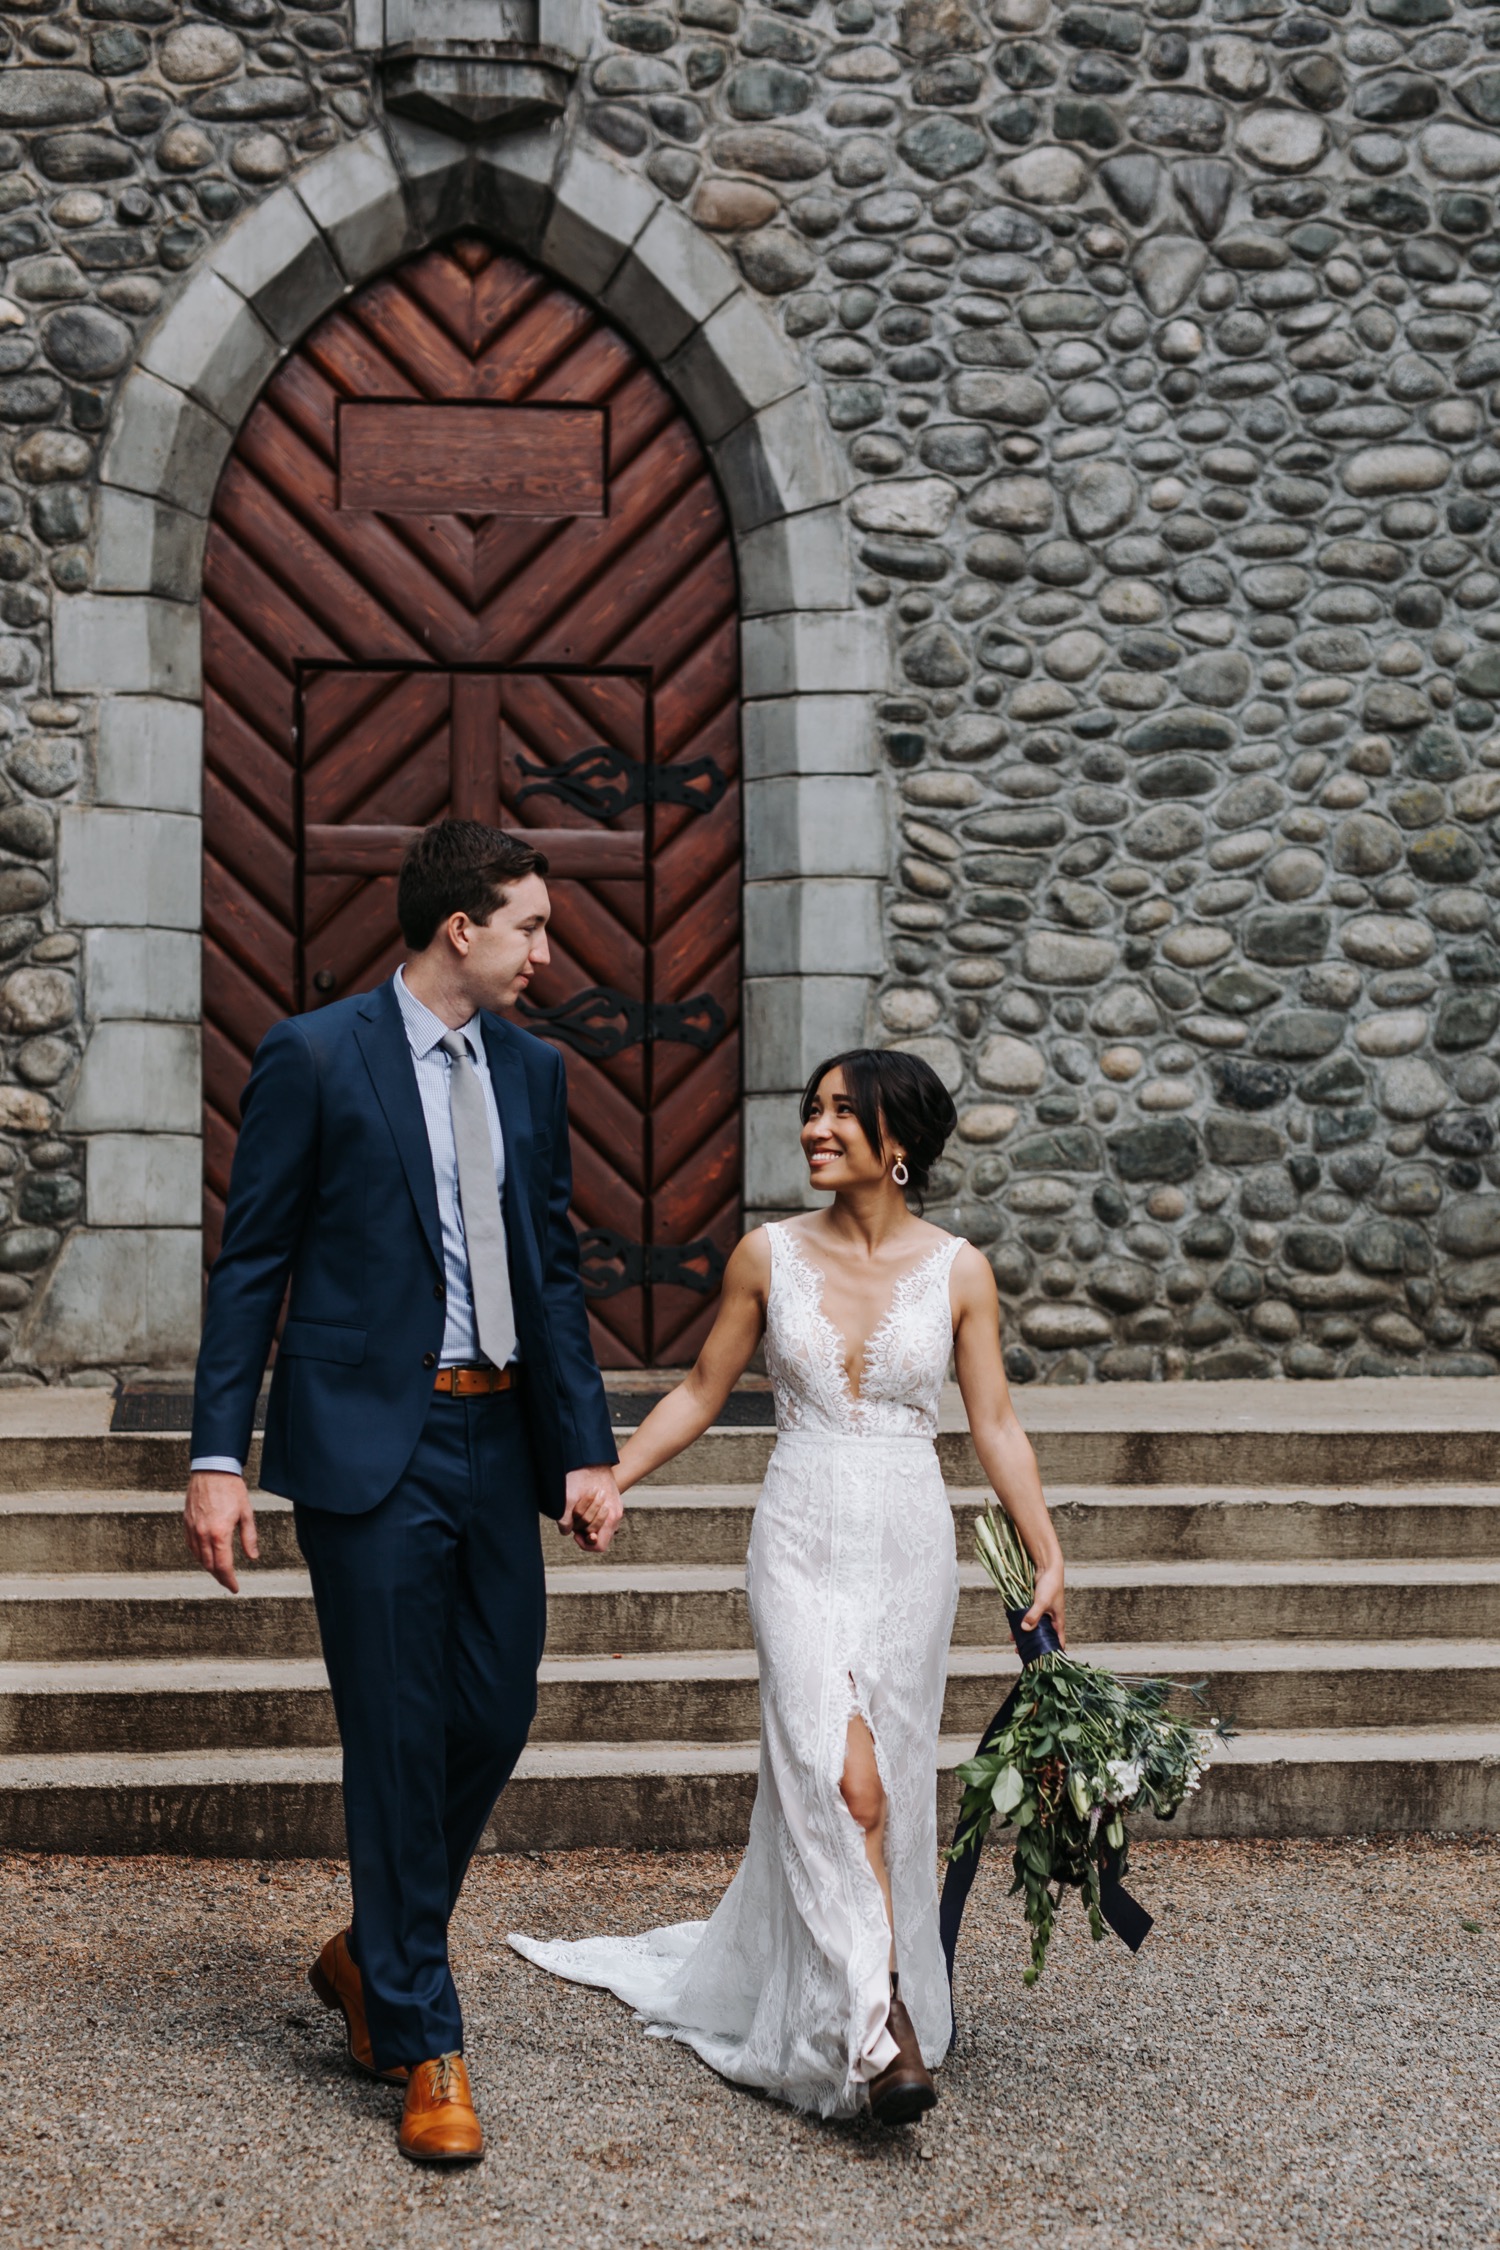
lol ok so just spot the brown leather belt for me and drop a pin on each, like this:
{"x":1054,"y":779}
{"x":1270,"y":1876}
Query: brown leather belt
{"x":474,"y":1382}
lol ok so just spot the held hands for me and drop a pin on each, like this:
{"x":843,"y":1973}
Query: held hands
{"x":593,"y":1508}
{"x":1049,"y":1599}
{"x":217,"y":1506}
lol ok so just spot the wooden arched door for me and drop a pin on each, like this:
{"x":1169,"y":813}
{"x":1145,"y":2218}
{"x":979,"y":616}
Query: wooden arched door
{"x":467,"y":557}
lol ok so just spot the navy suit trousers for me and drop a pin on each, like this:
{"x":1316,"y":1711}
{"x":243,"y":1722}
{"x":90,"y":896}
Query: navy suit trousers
{"x":432,"y":1609}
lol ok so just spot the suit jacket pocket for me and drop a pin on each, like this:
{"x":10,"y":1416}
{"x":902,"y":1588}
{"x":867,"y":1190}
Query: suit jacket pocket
{"x":322,"y":1339}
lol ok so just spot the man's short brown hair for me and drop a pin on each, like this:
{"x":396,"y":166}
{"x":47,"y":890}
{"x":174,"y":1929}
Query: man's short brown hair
{"x":458,"y":867}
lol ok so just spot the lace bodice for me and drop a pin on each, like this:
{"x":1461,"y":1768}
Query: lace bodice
{"x":905,"y":1359}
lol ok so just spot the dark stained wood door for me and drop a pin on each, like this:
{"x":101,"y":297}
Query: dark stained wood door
{"x":371,"y":668}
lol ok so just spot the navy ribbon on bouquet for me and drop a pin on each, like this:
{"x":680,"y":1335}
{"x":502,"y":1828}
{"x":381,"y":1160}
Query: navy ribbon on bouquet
{"x":1124,"y":1914}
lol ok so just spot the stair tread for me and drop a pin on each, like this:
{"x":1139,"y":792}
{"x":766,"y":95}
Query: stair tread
{"x":593,"y":1760}
{"x":1172,"y":1660}
{"x":689,"y":1498}
{"x":1418,"y":1402}
{"x":87,"y":1500}
{"x":150,"y":1585}
{"x":709,"y":1578}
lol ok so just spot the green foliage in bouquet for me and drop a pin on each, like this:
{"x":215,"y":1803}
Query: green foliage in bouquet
{"x":1076,"y":1750}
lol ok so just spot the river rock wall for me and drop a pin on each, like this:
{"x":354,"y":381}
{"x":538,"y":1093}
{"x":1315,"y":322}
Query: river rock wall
{"x":1161,"y":343}
{"x":132,"y":133}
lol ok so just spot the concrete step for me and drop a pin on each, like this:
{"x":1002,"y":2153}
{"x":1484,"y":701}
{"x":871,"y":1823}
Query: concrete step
{"x":275,"y":1803}
{"x":710,"y":1695}
{"x":53,"y":1532}
{"x":646,"y":1610}
{"x":1429,"y":1430}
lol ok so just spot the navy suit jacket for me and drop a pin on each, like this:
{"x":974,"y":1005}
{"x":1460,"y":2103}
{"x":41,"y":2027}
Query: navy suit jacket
{"x":333,"y":1188}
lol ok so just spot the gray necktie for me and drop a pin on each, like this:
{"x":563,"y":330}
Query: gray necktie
{"x":479,"y":1200}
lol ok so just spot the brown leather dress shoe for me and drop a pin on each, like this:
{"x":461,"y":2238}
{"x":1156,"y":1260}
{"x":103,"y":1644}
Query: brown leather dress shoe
{"x":904,"y":2089}
{"x":438,"y":2125}
{"x":336,"y":1980}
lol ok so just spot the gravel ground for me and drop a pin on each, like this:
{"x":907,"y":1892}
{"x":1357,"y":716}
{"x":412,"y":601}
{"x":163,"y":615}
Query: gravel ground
{"x":1306,"y":2052}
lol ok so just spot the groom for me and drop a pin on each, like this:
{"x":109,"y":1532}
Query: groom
{"x":403,"y":1163}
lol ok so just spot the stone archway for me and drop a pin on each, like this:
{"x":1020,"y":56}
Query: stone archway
{"x":466,"y":557}
{"x":126,"y":1286}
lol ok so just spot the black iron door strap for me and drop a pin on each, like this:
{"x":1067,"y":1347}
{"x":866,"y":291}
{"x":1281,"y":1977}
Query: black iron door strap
{"x":609,"y":1264}
{"x":599,"y":1022}
{"x":604,"y":782}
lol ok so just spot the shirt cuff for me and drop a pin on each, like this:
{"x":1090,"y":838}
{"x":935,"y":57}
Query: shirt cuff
{"x":220,"y":1462}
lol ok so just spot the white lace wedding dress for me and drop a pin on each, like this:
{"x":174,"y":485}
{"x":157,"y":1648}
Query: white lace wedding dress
{"x":852,"y":1582}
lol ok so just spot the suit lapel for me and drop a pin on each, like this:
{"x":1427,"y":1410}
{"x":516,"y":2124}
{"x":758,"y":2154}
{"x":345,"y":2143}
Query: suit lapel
{"x":513,"y":1100}
{"x":387,"y":1051}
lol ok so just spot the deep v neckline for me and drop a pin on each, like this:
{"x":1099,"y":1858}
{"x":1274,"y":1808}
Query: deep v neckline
{"x":835,"y":1335}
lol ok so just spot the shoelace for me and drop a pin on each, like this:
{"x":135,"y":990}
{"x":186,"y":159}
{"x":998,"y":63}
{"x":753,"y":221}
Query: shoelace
{"x":445,"y":2087}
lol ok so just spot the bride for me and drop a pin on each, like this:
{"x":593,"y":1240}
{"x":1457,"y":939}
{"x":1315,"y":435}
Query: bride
{"x":820,"y":1977}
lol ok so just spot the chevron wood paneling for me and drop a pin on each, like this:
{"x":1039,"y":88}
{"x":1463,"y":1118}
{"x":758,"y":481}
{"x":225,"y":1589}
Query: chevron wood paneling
{"x":376,"y":669}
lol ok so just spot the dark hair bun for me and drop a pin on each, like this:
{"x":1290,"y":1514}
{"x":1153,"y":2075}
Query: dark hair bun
{"x":898,"y":1098}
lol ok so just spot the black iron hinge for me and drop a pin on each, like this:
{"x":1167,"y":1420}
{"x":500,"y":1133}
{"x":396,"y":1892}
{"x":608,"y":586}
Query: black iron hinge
{"x":599,"y":1022}
{"x":604,"y":782}
{"x":609,"y":1264}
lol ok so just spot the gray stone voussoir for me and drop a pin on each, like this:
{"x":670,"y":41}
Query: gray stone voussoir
{"x":149,"y":753}
{"x":796,"y":562}
{"x":125,"y":644}
{"x":145,"y":1180}
{"x":808,"y":734}
{"x":833,"y":652}
{"x":357,"y":199}
{"x":820,"y":927}
{"x":165,"y":445}
{"x":119,"y":1297}
{"x":279,"y":262}
{"x":598,"y":210}
{"x":434,"y":172}
{"x":148,"y":975}
{"x":144,"y":547}
{"x":210,"y":344}
{"x":775,"y":1177}
{"x":816,"y":824}
{"x":730,"y":367}
{"x":139,"y":1078}
{"x":512,"y":184}
{"x":136,"y":868}
{"x":779,"y":462}
{"x":672,"y":280}
{"x":792,"y":1022}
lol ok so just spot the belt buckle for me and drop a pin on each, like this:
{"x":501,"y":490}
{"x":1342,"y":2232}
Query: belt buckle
{"x":472,"y":1382}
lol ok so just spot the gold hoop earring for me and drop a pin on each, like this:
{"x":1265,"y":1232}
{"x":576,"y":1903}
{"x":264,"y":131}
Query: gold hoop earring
{"x":899,"y":1173}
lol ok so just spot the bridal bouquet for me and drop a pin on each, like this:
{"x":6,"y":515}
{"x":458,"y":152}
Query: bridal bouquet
{"x":1069,"y":1754}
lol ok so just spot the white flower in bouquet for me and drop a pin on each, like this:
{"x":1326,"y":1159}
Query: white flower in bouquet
{"x":1125,"y":1776}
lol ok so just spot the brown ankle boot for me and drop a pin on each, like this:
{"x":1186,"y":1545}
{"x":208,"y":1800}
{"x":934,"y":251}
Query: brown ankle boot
{"x":904,"y":2089}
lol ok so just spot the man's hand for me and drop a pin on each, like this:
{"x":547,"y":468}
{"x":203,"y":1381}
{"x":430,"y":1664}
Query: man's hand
{"x":217,"y":1506}
{"x":593,"y":1508}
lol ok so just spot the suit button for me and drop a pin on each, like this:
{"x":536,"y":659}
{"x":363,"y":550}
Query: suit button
{"x":429,"y":1359}
{"x":440,"y":1291}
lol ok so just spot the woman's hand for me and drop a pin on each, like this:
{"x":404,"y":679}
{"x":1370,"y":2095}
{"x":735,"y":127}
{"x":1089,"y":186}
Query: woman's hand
{"x":1049,"y":1600}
